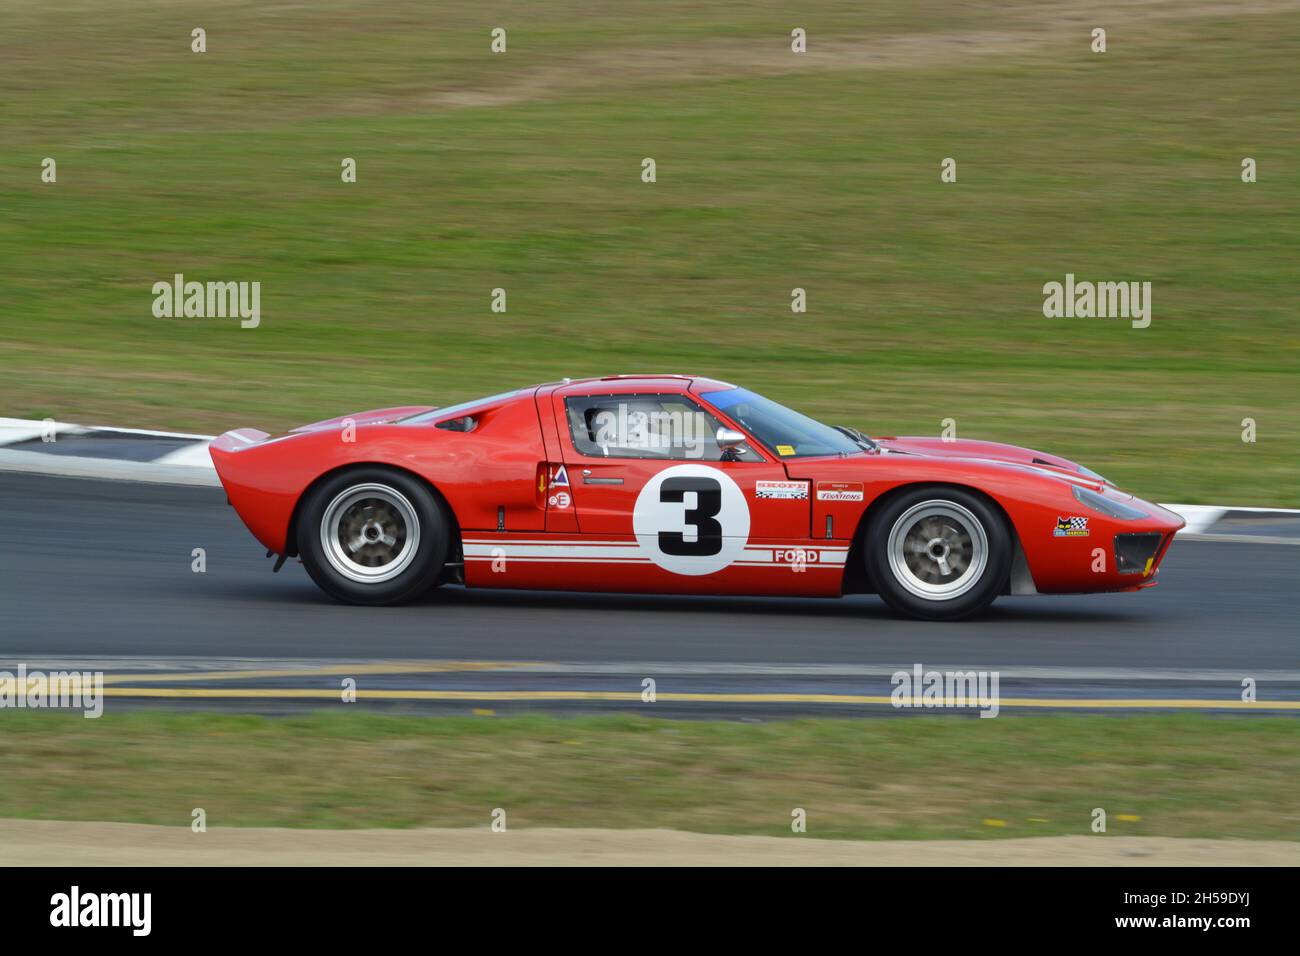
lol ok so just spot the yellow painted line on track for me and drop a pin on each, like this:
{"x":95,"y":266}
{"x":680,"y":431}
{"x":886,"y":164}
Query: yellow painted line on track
{"x":393,"y":667}
{"x":707,"y":698}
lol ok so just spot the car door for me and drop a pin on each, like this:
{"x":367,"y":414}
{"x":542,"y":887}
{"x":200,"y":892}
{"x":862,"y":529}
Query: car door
{"x":673,"y":511}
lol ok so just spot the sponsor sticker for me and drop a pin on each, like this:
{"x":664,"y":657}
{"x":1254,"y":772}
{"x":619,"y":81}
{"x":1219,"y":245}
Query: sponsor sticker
{"x":781,"y":489}
{"x":785,"y":450}
{"x":1071,"y":527}
{"x":839,"y":491}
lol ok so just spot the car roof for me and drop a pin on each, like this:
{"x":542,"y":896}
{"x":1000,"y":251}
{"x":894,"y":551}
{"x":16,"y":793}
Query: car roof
{"x":670,"y":382}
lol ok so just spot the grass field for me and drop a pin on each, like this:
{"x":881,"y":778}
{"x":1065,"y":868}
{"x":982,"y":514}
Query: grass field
{"x":775,"y":171}
{"x":918,"y":778}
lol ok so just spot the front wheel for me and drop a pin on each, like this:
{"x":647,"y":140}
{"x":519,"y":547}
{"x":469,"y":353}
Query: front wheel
{"x":373,"y":536}
{"x":938,"y":553}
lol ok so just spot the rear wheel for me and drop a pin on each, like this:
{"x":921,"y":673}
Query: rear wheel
{"x":938,"y":553}
{"x":373,"y":536}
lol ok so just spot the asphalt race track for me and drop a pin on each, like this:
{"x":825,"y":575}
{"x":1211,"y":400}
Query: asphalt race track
{"x":102,"y":569}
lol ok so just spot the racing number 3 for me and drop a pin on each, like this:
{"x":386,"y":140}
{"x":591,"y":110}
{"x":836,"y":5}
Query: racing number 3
{"x":703,"y":517}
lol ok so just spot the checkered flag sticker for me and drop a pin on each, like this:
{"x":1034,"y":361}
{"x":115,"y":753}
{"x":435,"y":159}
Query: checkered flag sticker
{"x":1071,"y":527}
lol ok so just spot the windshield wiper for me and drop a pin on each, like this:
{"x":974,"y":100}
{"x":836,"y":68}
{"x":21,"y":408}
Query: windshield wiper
{"x":860,"y":439}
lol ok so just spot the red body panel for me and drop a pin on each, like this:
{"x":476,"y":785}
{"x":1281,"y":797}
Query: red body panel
{"x":494,"y":467}
{"x":535,"y":512}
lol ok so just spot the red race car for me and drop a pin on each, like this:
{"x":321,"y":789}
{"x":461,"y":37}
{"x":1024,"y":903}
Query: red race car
{"x":676,"y":484}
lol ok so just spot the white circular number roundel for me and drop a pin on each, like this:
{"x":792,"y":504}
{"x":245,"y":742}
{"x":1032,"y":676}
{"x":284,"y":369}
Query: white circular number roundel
{"x":691,"y":519}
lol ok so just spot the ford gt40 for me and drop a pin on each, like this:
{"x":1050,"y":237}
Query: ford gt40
{"x":674,"y":484}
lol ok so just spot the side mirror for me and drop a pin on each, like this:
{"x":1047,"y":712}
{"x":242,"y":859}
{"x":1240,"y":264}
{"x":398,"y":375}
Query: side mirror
{"x":729,"y":440}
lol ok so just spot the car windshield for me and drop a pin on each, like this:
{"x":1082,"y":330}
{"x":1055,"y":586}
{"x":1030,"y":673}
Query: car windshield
{"x":785,"y":431}
{"x":452,"y":410}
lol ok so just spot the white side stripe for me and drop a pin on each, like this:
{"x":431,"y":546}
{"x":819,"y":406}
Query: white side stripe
{"x":616,"y":552}
{"x":546,"y":542}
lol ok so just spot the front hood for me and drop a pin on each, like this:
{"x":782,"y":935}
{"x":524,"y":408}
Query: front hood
{"x":989,"y":451}
{"x":376,"y":416}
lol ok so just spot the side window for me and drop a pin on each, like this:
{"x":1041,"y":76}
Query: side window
{"x":671,"y":427}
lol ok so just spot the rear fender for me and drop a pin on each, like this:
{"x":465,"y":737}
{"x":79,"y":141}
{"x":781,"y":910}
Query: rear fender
{"x":455,"y":554}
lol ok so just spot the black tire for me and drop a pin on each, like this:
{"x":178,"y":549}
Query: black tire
{"x":371,"y":507}
{"x":949,"y":526}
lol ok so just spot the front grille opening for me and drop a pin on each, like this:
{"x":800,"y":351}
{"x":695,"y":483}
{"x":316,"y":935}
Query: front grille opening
{"x":1133,"y":551}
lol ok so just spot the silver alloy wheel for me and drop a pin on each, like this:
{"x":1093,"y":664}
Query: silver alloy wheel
{"x":938,"y":550}
{"x":370,"y":533}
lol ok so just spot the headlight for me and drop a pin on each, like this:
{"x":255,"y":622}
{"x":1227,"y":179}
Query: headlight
{"x":1112,"y":509}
